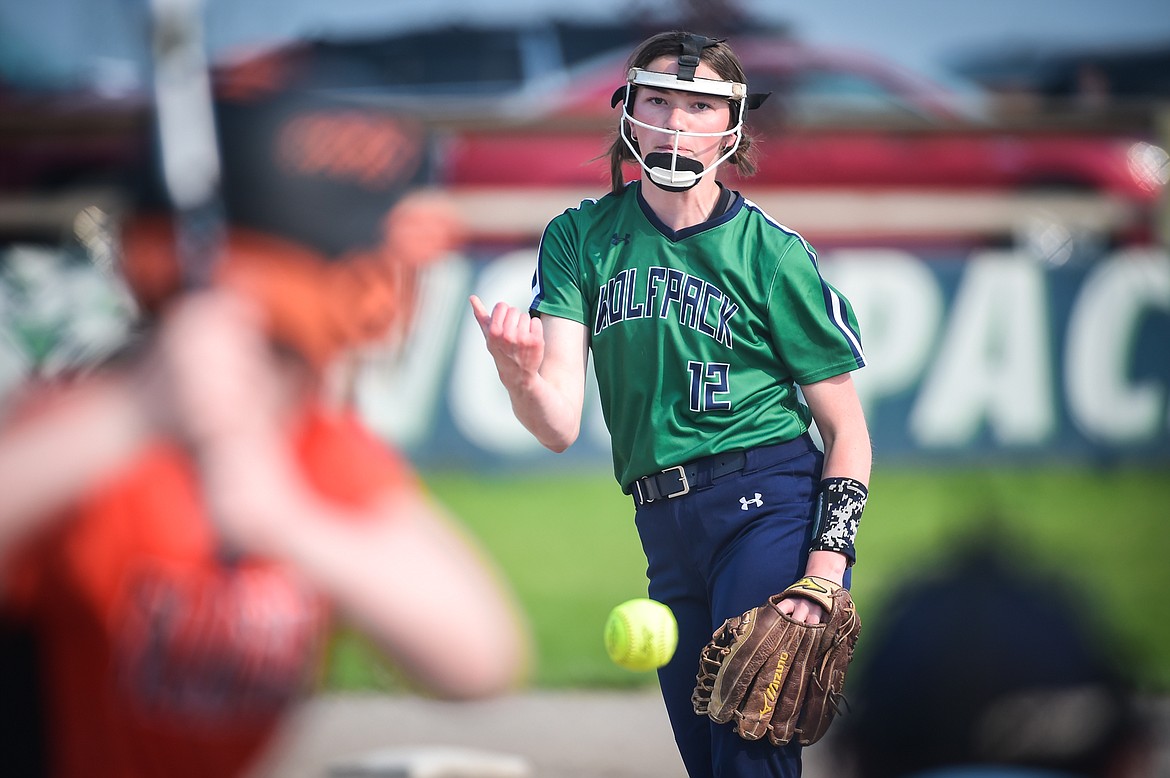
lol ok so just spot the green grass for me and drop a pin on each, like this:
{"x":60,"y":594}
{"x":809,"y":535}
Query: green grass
{"x":567,"y":545}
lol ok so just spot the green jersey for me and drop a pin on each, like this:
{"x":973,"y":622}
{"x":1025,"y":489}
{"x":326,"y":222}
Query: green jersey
{"x":699,"y":337}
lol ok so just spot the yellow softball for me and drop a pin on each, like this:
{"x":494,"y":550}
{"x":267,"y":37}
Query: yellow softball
{"x":641,"y":634}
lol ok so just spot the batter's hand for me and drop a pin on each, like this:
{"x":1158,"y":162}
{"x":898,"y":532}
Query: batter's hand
{"x":514,"y":339}
{"x":210,"y":374}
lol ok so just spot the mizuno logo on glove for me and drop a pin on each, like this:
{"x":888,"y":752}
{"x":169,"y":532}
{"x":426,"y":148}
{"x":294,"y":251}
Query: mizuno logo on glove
{"x":773,"y":690}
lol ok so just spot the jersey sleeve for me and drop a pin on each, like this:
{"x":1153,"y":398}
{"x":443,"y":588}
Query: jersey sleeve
{"x":813,"y":325}
{"x":556,"y":284}
{"x":346,"y":463}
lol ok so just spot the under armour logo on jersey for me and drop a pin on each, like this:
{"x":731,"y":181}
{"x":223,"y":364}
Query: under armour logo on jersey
{"x":756,"y":501}
{"x":616,"y":239}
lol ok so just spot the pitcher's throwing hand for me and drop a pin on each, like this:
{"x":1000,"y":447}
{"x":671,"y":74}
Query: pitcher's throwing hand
{"x":513,"y":337}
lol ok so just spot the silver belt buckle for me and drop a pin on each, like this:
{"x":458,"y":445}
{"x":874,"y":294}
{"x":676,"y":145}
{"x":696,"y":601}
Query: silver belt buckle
{"x":682,"y":477}
{"x":641,"y":498}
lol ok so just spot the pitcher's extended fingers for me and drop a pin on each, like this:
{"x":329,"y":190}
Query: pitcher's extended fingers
{"x":482,"y":315}
{"x":530,"y":340}
{"x":491,"y":322}
{"x":536,"y":329}
{"x":516,"y":325}
{"x":504,"y":321}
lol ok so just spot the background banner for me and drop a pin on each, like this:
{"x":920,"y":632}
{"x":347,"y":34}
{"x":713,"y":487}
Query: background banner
{"x":985,"y":357}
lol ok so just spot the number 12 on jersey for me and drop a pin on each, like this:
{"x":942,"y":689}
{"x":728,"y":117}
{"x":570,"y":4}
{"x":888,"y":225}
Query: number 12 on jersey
{"x":709,"y":381}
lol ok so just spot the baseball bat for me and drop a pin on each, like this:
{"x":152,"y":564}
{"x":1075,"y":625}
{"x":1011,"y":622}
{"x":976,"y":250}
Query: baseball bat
{"x":186,"y":135}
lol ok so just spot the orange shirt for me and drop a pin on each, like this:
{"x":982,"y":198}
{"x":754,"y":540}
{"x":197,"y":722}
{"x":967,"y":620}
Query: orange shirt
{"x":159,"y":653}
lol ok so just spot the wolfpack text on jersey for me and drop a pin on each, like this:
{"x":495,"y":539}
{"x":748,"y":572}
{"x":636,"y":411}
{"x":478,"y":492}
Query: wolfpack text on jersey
{"x":686,"y":326}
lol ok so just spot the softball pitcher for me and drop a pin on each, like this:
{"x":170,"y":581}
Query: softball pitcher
{"x":716,"y":345}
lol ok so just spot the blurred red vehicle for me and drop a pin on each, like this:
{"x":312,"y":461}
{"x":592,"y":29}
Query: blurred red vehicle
{"x":853,"y":147}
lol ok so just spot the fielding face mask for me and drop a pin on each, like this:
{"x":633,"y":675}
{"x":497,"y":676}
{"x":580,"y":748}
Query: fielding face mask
{"x":670,"y":170}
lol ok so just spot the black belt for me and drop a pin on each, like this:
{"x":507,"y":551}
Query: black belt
{"x":680,"y":479}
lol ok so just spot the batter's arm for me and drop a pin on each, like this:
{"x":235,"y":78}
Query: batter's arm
{"x":542,"y":364}
{"x":396,"y":565}
{"x":80,"y":437}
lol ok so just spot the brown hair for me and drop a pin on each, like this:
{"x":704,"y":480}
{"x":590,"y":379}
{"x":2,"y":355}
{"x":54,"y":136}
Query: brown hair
{"x":726,"y":65}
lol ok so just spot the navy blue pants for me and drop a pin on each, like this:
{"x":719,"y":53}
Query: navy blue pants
{"x":712,"y":554}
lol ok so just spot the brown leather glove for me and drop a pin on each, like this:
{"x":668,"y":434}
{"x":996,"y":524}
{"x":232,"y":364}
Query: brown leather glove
{"x":775,"y":676}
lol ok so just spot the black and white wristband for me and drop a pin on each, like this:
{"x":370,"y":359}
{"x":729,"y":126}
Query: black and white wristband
{"x":839,"y":507}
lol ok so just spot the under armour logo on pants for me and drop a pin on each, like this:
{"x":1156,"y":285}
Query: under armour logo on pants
{"x":756,"y":501}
